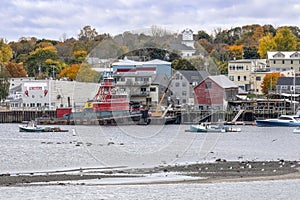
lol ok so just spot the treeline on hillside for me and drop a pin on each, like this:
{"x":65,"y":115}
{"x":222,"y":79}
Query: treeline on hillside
{"x":43,"y":58}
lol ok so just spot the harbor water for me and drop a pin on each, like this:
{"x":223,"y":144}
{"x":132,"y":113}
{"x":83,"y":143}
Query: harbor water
{"x":145,"y":146}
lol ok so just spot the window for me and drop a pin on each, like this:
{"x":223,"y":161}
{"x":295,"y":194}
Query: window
{"x":152,"y":89}
{"x":208,"y":85}
{"x":292,"y":62}
{"x":258,"y":78}
{"x":245,"y":78}
{"x":282,"y":61}
{"x":239,"y":78}
{"x":177,"y":84}
{"x":274,"y":61}
{"x":231,"y":78}
{"x":183,"y":93}
{"x":183,"y":84}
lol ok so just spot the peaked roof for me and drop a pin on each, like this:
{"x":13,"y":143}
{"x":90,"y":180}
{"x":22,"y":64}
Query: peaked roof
{"x":288,"y":81}
{"x":286,"y":54}
{"x":223,"y":81}
{"x":160,"y":79}
{"x":194,"y":76}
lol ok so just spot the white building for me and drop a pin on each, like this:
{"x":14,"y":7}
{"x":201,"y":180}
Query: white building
{"x":51,"y":94}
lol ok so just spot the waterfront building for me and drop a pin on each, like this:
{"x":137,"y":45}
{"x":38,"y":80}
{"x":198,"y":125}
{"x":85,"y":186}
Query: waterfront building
{"x":183,"y":84}
{"x":142,"y":84}
{"x":284,"y":61}
{"x":248,"y":74}
{"x":214,"y":93}
{"x":51,"y":94}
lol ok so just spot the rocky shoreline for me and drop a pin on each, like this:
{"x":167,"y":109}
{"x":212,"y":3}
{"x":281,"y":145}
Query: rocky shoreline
{"x":220,"y":170}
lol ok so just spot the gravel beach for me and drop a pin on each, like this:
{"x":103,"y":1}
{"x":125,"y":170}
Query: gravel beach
{"x":218,"y":171}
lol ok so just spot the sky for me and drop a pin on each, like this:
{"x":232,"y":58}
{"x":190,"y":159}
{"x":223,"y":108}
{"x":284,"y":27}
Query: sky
{"x":58,"y":19}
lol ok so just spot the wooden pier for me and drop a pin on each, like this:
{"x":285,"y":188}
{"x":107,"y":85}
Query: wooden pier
{"x":18,"y":116}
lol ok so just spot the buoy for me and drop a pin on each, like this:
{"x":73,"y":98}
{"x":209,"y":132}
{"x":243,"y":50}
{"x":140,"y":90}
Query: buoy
{"x":73,"y":132}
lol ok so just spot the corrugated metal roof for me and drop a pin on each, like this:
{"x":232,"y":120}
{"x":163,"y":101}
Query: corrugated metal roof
{"x":223,"y":81}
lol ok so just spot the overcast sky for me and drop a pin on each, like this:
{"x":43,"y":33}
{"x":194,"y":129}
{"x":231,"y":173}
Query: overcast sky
{"x":51,"y":19}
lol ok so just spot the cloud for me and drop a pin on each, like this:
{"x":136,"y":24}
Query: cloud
{"x":52,"y":18}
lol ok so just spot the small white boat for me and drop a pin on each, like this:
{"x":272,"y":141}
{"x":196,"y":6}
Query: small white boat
{"x":297,"y":130}
{"x":207,"y":128}
{"x":32,"y":127}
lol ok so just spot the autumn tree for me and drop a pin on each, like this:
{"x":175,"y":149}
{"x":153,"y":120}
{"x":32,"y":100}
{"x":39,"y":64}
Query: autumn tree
{"x":70,"y":72}
{"x":87,"y":33}
{"x":266,"y":44}
{"x":5,"y":52}
{"x":15,"y":69}
{"x":22,"y":48}
{"x":79,"y":56}
{"x":285,"y":40}
{"x":87,"y":74}
{"x":270,"y":81}
{"x":235,"y":51}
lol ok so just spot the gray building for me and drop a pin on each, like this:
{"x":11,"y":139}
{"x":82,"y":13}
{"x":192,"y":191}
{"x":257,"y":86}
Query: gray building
{"x":183,"y":84}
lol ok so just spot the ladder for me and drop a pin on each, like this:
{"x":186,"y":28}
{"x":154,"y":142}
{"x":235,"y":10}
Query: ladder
{"x":237,"y":115}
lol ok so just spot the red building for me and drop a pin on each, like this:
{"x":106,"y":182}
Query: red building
{"x":214,"y":92}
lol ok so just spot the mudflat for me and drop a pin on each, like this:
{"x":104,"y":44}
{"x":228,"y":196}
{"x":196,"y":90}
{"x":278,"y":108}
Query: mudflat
{"x":218,"y":171}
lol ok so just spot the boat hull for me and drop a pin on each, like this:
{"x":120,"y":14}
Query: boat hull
{"x":274,"y":123}
{"x":40,"y":129}
{"x":203,"y":129}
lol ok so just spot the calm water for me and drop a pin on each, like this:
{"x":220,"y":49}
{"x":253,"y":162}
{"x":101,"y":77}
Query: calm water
{"x":142,"y":146}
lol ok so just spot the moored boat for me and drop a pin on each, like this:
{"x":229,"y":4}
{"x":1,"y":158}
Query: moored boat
{"x":112,"y":106}
{"x":207,"y":128}
{"x":283,"y":120}
{"x":297,"y":130}
{"x":32,"y":127}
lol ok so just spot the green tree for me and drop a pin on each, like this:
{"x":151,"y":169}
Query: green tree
{"x":203,"y":35}
{"x":4,"y":83}
{"x":182,"y":64}
{"x":36,"y":63}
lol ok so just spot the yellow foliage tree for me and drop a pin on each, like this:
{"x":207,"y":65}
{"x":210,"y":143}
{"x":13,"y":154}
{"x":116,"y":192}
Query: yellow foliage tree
{"x":285,"y":40}
{"x":87,"y":74}
{"x":80,"y":55}
{"x":266,"y":43}
{"x":5,"y":52}
{"x":70,"y":72}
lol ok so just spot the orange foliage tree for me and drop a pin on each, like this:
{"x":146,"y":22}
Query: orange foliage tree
{"x":70,"y":72}
{"x":270,"y":81}
{"x":15,"y":70}
{"x":236,"y":51}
